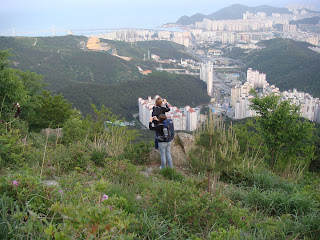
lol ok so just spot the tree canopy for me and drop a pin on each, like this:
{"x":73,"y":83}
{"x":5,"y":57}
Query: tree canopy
{"x":284,"y":132}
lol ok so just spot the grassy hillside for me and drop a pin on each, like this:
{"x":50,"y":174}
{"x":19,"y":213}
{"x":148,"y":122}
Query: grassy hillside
{"x":287,"y":63}
{"x":122,"y":98}
{"x":86,"y":77}
{"x":232,"y":12}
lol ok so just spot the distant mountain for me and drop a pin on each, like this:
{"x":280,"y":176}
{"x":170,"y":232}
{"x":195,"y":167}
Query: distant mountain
{"x":288,"y":64}
{"x":309,"y":21}
{"x":233,"y":12}
{"x":86,"y":77}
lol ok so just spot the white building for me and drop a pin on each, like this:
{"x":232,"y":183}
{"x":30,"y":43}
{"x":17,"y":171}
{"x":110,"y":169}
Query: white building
{"x":186,"y":118}
{"x":206,"y":75}
{"x":240,"y":97}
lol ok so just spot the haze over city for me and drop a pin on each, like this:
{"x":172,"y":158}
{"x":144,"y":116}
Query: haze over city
{"x":36,"y":15}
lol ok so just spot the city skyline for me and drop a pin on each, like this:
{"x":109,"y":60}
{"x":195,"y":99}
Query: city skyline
{"x":38,"y":15}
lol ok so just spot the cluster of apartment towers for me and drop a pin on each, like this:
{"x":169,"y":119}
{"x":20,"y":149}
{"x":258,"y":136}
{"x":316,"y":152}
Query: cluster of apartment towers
{"x":186,"y":118}
{"x":240,"y":97}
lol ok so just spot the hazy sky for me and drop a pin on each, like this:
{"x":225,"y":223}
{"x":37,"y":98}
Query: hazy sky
{"x":29,"y":15}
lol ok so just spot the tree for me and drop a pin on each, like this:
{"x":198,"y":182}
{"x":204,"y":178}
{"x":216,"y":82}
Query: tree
{"x":282,"y":129}
{"x":16,"y":86}
{"x":217,"y":149}
{"x":49,"y":111}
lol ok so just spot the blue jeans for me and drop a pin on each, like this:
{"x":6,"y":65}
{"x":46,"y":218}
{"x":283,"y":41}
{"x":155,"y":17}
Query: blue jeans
{"x":165,"y":154}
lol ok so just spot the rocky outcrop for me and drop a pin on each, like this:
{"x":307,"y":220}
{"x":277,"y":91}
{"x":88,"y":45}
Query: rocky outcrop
{"x":180,"y":148}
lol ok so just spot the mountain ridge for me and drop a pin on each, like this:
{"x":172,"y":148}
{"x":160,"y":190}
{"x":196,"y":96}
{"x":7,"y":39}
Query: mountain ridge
{"x":232,"y":12}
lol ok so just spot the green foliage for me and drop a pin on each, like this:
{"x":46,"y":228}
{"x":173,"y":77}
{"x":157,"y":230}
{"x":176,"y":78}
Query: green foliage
{"x":120,"y":171}
{"x":171,"y":174}
{"x":74,"y":129}
{"x":28,"y":190}
{"x":13,"y":143}
{"x":278,"y":202}
{"x":136,"y":50}
{"x":121,"y":98}
{"x":194,"y":209}
{"x":66,"y":159}
{"x":106,"y":133}
{"x":96,"y":221}
{"x":138,"y":153}
{"x":18,"y":222}
{"x":217,"y":149}
{"x":16,"y":86}
{"x":85,"y":77}
{"x":50,"y":111}
{"x":288,"y":64}
{"x":98,"y":157}
{"x":283,"y":132}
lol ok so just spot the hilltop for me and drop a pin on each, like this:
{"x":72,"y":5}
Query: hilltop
{"x":288,"y":64}
{"x":232,"y":12}
{"x":309,"y":21}
{"x":86,"y":77}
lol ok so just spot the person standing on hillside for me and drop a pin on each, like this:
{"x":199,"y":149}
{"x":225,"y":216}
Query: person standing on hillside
{"x":161,"y":107}
{"x":16,"y":106}
{"x":164,"y":145}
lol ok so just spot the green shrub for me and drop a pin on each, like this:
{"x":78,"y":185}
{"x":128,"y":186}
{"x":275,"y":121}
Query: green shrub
{"x":98,"y":157}
{"x":120,"y":171}
{"x":98,"y":221}
{"x":74,"y":130}
{"x":65,"y":159}
{"x":28,"y":190}
{"x":138,"y":153}
{"x":171,"y":174}
{"x":13,"y":144}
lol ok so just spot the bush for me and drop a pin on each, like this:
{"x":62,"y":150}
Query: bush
{"x":138,"y":153}
{"x":74,"y":130}
{"x":13,"y":143}
{"x":98,"y":157}
{"x":29,"y":191}
{"x":65,"y":159}
{"x":120,"y":171}
{"x":171,"y":174}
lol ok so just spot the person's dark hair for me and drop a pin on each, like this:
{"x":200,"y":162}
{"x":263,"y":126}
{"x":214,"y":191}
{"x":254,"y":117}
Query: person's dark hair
{"x":159,"y":101}
{"x":162,"y":117}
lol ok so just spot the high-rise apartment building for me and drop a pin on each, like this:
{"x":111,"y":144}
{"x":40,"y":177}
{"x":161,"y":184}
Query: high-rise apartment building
{"x":240,"y":97}
{"x":206,"y":75}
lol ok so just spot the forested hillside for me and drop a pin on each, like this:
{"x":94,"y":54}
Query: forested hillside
{"x":288,"y":64}
{"x":62,"y":61}
{"x":86,"y":77}
{"x":180,"y":90}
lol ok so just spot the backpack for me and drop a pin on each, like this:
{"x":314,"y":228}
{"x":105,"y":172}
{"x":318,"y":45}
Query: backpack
{"x":168,"y":131}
